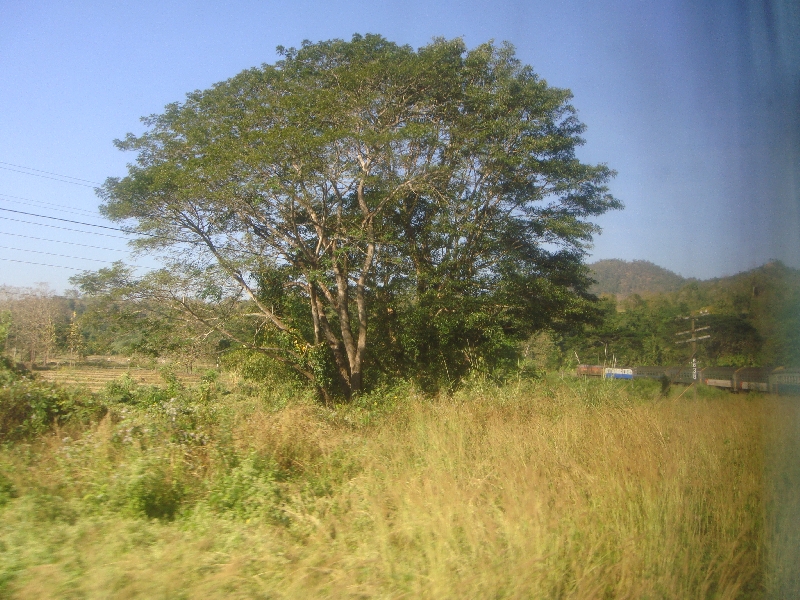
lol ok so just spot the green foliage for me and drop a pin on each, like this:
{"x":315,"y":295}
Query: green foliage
{"x":150,"y":487}
{"x":248,"y":490}
{"x":642,"y":332}
{"x":257,"y":366}
{"x":120,"y":318}
{"x":753,"y":320}
{"x":5,"y":324}
{"x":125,"y":390}
{"x":7,"y":490}
{"x":363,"y":212}
{"x":29,"y":407}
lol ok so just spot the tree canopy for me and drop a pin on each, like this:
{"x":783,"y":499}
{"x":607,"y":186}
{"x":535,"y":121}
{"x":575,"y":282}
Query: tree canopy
{"x":377,"y":209}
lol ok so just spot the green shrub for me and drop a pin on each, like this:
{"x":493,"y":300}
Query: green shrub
{"x":31,"y":407}
{"x":41,"y":506}
{"x":248,"y":490}
{"x":126,"y":391}
{"x":7,"y":490}
{"x":122,"y":390}
{"x":148,"y":488}
{"x":209,"y":386}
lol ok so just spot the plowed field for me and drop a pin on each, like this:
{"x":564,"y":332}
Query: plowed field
{"x":95,"y":375}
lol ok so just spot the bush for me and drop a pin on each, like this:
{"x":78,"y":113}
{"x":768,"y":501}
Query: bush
{"x":149,"y":488}
{"x":7,"y":490}
{"x":126,"y":391}
{"x":249,"y":490}
{"x":31,"y":407}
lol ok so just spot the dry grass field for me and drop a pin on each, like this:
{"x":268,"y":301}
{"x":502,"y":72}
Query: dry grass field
{"x":97,"y":371}
{"x":555,"y":489}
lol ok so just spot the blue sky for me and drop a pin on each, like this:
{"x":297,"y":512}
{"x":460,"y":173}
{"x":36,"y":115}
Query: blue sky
{"x":696,"y":105}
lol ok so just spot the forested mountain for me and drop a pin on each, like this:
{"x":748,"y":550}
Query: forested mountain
{"x":754,"y":317}
{"x":623,"y":278}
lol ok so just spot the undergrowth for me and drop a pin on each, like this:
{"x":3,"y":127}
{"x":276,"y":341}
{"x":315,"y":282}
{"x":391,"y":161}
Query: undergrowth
{"x":557,"y":487}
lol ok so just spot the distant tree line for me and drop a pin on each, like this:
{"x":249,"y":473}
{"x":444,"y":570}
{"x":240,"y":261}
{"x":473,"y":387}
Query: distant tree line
{"x":754,"y":320}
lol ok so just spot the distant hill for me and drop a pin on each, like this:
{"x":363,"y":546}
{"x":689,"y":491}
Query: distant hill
{"x":754,"y":316}
{"x":623,"y":278}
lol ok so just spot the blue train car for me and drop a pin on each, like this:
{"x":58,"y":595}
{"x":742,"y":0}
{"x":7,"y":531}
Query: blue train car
{"x":615,"y":373}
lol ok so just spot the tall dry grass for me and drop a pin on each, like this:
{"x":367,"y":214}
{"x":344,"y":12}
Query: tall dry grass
{"x":548,"y":496}
{"x":551,"y":490}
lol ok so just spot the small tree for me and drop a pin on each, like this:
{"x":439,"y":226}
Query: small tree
{"x":372,"y":203}
{"x":5,"y":325}
{"x":34,"y":314}
{"x":122,"y":315}
{"x":75,"y":341}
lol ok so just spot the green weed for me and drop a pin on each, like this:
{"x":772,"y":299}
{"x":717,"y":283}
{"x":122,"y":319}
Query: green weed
{"x":538,"y":488}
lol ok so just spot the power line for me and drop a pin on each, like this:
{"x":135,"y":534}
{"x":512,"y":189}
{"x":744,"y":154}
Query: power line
{"x":153,"y":235}
{"x":48,"y":177}
{"x":27,"y":262}
{"x":119,"y":237}
{"x":30,"y":237}
{"x":59,"y":255}
{"x":77,"y":179}
{"x":22,"y":212}
{"x":50,"y":205}
{"x":49,"y":173}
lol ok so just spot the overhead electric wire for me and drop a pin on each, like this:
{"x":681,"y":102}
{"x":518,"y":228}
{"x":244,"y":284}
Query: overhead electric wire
{"x":118,"y":237}
{"x":48,"y":177}
{"x":49,"y":205}
{"x":153,"y":235}
{"x":27,"y":262}
{"x":30,"y":237}
{"x":59,"y":255}
{"x":22,"y":212}
{"x":48,"y":172}
{"x":63,"y":177}
{"x":61,"y":208}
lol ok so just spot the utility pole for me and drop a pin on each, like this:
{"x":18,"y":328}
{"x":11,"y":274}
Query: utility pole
{"x":693,"y":339}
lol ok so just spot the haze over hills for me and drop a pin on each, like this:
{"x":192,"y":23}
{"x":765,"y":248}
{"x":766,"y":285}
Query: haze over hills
{"x":623,"y":278}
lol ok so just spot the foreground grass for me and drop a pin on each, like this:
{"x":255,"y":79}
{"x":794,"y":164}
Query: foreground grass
{"x":562,"y":489}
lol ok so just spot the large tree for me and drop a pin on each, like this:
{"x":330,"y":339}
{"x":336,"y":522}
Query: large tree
{"x":354,"y":183}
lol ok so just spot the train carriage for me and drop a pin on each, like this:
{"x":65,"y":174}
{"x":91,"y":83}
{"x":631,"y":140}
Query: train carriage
{"x":683,"y":375}
{"x":751,"y":379}
{"x":616,"y":373}
{"x":785,"y":381}
{"x":589,"y":370}
{"x":721,"y":377}
{"x":648,"y":372}
{"x":763,"y":379}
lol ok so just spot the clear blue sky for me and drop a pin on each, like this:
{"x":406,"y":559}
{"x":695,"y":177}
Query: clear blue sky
{"x":696,"y":105}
